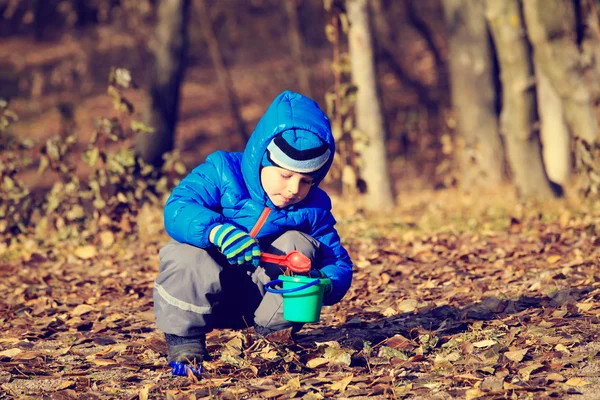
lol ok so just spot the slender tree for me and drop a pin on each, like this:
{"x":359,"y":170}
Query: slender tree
{"x":223,"y":74}
{"x":169,"y":49}
{"x":519,"y":117}
{"x":473,"y":94}
{"x":554,"y":130}
{"x":552,"y":29}
{"x":369,"y":117}
{"x":297,"y":46}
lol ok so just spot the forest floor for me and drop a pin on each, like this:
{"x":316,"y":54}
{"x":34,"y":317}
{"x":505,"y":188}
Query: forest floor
{"x":454,"y":296}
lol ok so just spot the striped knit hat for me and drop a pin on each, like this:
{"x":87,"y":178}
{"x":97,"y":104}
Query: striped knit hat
{"x":298,"y":151}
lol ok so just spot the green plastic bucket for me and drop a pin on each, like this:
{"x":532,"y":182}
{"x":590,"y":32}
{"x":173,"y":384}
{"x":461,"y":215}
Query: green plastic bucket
{"x":302,"y":297}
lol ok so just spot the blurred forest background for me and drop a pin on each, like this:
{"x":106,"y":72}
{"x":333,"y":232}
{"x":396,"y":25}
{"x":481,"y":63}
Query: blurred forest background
{"x":459,"y":93}
{"x":470,"y":125}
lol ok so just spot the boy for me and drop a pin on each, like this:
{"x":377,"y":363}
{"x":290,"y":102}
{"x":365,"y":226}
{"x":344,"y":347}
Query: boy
{"x":233,"y":207}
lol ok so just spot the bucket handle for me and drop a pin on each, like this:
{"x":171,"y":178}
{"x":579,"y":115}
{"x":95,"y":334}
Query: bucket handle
{"x":292,"y":290}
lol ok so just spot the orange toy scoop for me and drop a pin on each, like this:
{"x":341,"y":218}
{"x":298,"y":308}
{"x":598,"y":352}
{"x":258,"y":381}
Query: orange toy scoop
{"x":294,"y":261}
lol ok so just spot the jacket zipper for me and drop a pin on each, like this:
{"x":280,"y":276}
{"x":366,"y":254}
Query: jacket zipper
{"x":261,"y":221}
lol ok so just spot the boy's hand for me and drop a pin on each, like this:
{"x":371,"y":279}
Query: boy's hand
{"x":317,"y":273}
{"x":235,"y":244}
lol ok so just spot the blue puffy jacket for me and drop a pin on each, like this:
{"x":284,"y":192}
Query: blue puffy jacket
{"x":227,"y":188}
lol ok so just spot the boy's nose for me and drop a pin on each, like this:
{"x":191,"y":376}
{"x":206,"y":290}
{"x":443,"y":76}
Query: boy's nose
{"x":293,"y":188}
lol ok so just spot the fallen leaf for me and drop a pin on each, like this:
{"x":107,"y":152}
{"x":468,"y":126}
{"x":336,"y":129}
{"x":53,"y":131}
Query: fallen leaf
{"x":561,"y":347}
{"x":447,"y":358}
{"x":576,"y":382}
{"x":334,"y":352}
{"x":292,"y":384}
{"x":389,"y":312}
{"x":553,"y":259}
{"x":269,"y":355}
{"x":103,"y":362}
{"x":10,"y":353}
{"x":527,"y":371}
{"x":408,"y":305}
{"x":66,"y":385}
{"x":82,"y":309}
{"x":555,"y":377}
{"x":341,"y":385}
{"x":516,"y":355}
{"x":26,"y":355}
{"x":585,"y":306}
{"x":403,"y":389}
{"x":388,"y":352}
{"x":283,"y":336}
{"x":115,"y":317}
{"x":143,"y":395}
{"x":398,"y":342}
{"x":86,"y":252}
{"x":474,"y":393}
{"x":107,"y":238}
{"x":317,"y":362}
{"x":484,"y":343}
{"x":511,"y":386}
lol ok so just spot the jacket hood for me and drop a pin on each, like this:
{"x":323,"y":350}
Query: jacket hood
{"x":288,"y":111}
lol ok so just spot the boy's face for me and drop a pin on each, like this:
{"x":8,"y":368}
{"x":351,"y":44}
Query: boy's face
{"x":283,"y":186}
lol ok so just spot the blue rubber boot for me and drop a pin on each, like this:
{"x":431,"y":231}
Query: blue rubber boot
{"x":186,"y":353}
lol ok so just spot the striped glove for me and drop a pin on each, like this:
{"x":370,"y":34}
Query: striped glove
{"x":235,"y":244}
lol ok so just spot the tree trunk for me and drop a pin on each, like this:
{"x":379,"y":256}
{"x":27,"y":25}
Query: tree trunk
{"x":519,"y":108}
{"x":389,"y":53}
{"x":473,"y":94}
{"x":223,"y":74}
{"x":369,"y":118}
{"x":167,"y":72}
{"x":554,"y":130}
{"x":552,"y":28}
{"x":297,"y":47}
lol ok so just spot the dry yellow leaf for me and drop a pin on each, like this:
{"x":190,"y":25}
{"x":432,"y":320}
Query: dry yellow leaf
{"x":484,"y":343}
{"x":143,"y":395}
{"x":292,"y":384}
{"x":516,"y":355}
{"x":585,"y":306}
{"x":10,"y":353}
{"x":525,"y":372}
{"x":107,"y":238}
{"x":552,"y":259}
{"x":576,"y":382}
{"x":82,"y":309}
{"x":316,"y":362}
{"x":561,"y":347}
{"x":86,"y":252}
{"x":115,"y":317}
{"x":511,"y":386}
{"x":555,"y":377}
{"x":403,"y":389}
{"x":474,"y":393}
{"x":103,"y":362}
{"x":389,"y":312}
{"x":408,"y":305}
{"x":66,"y":385}
{"x":341,"y":385}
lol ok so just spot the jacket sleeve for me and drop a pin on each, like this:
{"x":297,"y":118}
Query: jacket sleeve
{"x":193,"y":208}
{"x":335,"y":261}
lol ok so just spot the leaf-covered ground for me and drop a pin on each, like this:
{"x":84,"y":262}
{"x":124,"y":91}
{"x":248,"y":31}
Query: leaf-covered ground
{"x":453,"y":297}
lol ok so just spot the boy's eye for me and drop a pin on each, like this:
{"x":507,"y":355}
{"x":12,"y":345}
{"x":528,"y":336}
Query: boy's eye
{"x":306,"y":182}
{"x":286,"y":176}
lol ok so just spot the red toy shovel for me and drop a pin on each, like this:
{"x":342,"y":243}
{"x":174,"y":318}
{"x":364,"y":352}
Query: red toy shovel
{"x":294,"y":261}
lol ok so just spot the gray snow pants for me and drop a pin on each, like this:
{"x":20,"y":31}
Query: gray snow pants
{"x":197,"y":289}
